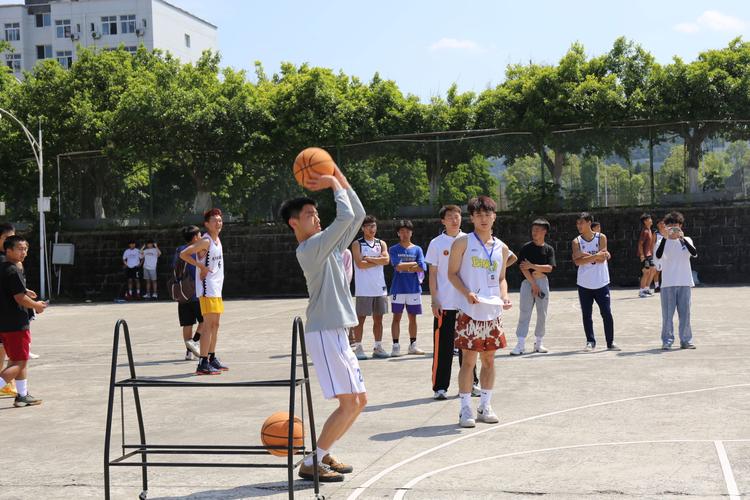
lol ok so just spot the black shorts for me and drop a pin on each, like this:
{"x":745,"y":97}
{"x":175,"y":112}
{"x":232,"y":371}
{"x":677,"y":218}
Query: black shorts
{"x":647,"y":263}
{"x":189,"y":313}
{"x":133,"y":273}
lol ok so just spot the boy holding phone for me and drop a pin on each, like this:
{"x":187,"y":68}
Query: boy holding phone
{"x":674,"y":253}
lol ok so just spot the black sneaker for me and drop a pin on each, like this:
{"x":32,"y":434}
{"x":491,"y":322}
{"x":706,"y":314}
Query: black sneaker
{"x":27,"y":400}
{"x":205,"y":368}
{"x":687,"y":345}
{"x":218,"y":364}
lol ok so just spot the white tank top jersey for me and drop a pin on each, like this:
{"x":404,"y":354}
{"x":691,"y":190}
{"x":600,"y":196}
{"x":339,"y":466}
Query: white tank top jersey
{"x":594,"y":275}
{"x":370,"y":282}
{"x":214,"y":260}
{"x":480,"y":271}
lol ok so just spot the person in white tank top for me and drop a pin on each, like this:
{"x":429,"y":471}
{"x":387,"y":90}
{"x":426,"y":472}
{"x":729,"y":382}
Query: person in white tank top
{"x":209,"y":281}
{"x":370,"y":256}
{"x":476,"y":268}
{"x":591,"y":256}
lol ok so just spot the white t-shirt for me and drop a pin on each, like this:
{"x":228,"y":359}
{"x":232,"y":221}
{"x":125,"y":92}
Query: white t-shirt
{"x":150,"y":257}
{"x":132,"y":257}
{"x":438,"y":255}
{"x":675,"y":264}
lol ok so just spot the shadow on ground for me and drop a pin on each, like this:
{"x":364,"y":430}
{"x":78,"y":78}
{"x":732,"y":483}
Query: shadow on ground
{"x":248,"y":491}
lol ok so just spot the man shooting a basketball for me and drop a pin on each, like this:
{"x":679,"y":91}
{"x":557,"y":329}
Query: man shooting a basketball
{"x":330,"y":311}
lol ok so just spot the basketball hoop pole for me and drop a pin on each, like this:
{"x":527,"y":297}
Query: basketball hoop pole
{"x":36,"y":147}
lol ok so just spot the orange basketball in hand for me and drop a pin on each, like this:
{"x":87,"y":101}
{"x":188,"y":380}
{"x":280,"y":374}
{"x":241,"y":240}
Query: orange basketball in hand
{"x":275,"y":432}
{"x":312,"y":160}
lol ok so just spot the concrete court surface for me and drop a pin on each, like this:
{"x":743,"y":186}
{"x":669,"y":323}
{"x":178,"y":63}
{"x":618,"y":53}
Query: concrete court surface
{"x":641,"y":423}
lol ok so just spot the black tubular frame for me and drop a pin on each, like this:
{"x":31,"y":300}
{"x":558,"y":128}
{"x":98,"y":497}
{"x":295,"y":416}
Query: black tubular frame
{"x":143,"y":449}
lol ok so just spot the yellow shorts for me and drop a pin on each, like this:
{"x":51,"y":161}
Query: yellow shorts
{"x":211,"y":305}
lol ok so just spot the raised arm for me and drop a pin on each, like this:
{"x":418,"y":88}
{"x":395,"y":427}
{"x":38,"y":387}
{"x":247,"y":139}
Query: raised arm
{"x":318,"y":247}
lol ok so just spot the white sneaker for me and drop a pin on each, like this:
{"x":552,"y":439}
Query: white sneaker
{"x":614,"y":347}
{"x":518,"y":350}
{"x":539,"y":347}
{"x":396,"y":351}
{"x":188,"y":355}
{"x":413,"y":349}
{"x":33,"y":356}
{"x":589,"y":347}
{"x":193,"y":347}
{"x":440,"y":395}
{"x":642,"y":294}
{"x":466,"y":418}
{"x":379,"y":353}
{"x":476,"y":391}
{"x":359,"y":351}
{"x":487,"y":415}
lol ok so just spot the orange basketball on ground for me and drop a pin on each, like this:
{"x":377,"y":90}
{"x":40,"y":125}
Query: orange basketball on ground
{"x":275,"y":432}
{"x":312,"y":160}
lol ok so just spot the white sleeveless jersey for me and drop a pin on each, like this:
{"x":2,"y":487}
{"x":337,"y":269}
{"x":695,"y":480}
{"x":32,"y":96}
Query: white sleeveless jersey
{"x":214,"y":260}
{"x":593,"y":275}
{"x":369,"y":282}
{"x":482,"y":276}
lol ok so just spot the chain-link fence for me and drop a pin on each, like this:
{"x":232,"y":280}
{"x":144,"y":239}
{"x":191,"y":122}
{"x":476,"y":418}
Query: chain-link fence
{"x":572,"y":168}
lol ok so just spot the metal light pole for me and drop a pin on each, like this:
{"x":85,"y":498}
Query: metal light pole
{"x":36,"y":147}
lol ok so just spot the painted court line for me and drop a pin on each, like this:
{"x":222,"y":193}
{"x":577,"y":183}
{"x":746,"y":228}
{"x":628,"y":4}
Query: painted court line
{"x":726,"y":469}
{"x":401,"y":492}
{"x":361,"y":489}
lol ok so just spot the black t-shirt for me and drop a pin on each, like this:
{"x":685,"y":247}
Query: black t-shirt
{"x":13,"y":317}
{"x":535,"y":254}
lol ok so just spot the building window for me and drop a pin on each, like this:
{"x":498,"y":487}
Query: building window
{"x":14,"y":62}
{"x":43,"y":51}
{"x":109,"y":25}
{"x":127,"y":24}
{"x":65,"y":58}
{"x":187,"y":40}
{"x":62,"y":27}
{"x":132,"y":49}
{"x":43,"y":20}
{"x":12,"y":32}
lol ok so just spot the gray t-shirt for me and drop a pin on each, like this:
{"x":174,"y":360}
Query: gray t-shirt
{"x":320,"y":256}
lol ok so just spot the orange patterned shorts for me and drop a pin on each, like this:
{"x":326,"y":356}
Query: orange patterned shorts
{"x":475,"y":335}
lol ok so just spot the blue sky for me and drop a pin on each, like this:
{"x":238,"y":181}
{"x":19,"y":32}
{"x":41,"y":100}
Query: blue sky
{"x":427,"y":45}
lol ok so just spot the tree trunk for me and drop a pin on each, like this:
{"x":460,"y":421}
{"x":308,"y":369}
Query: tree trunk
{"x":558,"y":167}
{"x":201,"y":202}
{"x":694,"y":138}
{"x":99,"y":208}
{"x":554,"y":165}
{"x":694,"y":154}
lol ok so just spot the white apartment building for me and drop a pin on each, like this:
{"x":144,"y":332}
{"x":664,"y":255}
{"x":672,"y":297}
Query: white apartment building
{"x":51,"y":29}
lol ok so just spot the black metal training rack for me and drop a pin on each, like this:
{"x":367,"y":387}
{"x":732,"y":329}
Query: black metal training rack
{"x":144,"y":449}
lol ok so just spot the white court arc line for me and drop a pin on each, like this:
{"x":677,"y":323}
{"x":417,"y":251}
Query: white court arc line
{"x":405,"y":488}
{"x":726,"y":469}
{"x":361,"y":489}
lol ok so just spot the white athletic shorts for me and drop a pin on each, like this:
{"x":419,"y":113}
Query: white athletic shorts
{"x":335,"y":363}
